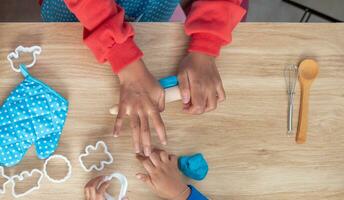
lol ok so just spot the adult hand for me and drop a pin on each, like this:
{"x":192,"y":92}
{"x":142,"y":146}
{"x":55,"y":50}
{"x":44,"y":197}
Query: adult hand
{"x":163,"y":176}
{"x":141,"y":98}
{"x":200,"y":83}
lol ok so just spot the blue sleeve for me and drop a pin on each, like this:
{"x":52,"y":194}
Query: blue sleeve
{"x":195,"y":194}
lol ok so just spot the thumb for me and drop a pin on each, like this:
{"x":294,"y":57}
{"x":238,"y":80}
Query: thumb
{"x":184,"y":87}
{"x":102,"y":188}
{"x":145,"y":178}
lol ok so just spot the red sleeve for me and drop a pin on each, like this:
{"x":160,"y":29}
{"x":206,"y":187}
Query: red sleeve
{"x":210,"y":24}
{"x":105,"y":32}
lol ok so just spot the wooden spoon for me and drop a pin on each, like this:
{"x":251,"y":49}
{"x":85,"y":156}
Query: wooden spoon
{"x":308,"y":71}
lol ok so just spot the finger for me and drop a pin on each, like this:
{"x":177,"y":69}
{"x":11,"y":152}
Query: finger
{"x":198,"y":99}
{"x":145,"y":178}
{"x":135,"y":127}
{"x":161,"y":102}
{"x":147,"y":164}
{"x":87,"y":193}
{"x":221,"y":94}
{"x":118,"y":122}
{"x":94,"y":182}
{"x":184,"y":87}
{"x":103,"y":187}
{"x":164,"y":156}
{"x":145,"y":133}
{"x":155,"y":158}
{"x":211,"y":101}
{"x":93,"y":193}
{"x":174,"y":159}
{"x":159,"y":127}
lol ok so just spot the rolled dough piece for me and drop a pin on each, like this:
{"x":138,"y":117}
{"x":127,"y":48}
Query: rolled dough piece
{"x":194,"y":166}
{"x":171,"y":94}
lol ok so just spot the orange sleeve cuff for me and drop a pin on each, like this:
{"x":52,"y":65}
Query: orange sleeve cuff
{"x":210,"y":24}
{"x":121,"y":55}
{"x":206,"y":43}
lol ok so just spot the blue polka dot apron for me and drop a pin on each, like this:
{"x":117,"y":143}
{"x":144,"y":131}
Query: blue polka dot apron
{"x":33,"y":114}
{"x":136,"y":10}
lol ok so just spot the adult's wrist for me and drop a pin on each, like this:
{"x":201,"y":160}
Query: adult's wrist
{"x":132,"y":71}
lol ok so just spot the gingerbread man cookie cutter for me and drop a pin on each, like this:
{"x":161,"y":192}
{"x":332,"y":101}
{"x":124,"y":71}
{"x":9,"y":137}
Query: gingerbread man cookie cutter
{"x":102,"y":163}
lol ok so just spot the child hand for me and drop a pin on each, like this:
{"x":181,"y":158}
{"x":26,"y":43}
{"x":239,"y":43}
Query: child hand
{"x":93,"y":192}
{"x":141,"y":98}
{"x":163,"y":176}
{"x":200,"y":83}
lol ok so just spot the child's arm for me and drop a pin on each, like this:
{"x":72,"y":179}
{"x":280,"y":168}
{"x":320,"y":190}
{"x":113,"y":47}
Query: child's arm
{"x":209,"y":24}
{"x":111,"y":39}
{"x":164,"y":178}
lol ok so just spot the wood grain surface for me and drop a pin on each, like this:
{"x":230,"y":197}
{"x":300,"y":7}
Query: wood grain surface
{"x":244,"y":140}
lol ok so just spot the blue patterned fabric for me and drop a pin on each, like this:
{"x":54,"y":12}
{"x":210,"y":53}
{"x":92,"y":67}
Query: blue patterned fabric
{"x":136,"y":10}
{"x":32,"y":114}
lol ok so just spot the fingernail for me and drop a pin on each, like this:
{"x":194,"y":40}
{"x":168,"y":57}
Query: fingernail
{"x":138,"y":176}
{"x":147,"y":151}
{"x":185,"y":99}
{"x":115,"y":135}
{"x":137,"y":150}
{"x":164,"y":142}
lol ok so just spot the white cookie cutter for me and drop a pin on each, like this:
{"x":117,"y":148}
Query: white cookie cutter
{"x":21,"y":177}
{"x":35,"y":50}
{"x":124,"y":185}
{"x":69,"y":174}
{"x":102,"y":163}
{"x":2,"y":174}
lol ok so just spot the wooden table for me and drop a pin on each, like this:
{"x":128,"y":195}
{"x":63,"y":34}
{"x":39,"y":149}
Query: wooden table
{"x":244,"y":140}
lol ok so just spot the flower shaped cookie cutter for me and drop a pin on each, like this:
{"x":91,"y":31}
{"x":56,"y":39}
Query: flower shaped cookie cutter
{"x":69,"y":174}
{"x":2,"y":174}
{"x":20,"y":177}
{"x":102,"y":163}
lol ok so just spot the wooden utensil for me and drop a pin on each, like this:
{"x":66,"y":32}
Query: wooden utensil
{"x":308,"y":71}
{"x":171,"y":94}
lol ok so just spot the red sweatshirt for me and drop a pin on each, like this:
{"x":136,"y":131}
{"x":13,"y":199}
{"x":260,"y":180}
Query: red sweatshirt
{"x":209,"y":23}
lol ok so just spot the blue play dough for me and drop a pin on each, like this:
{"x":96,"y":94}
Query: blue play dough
{"x":194,"y":166}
